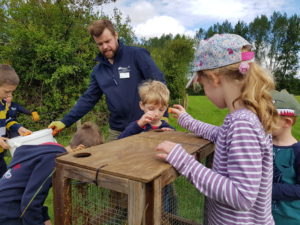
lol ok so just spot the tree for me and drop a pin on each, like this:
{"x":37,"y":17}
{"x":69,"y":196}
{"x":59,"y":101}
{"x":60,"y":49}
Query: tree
{"x":173,"y":56}
{"x":276,"y":41}
{"x":48,"y":45}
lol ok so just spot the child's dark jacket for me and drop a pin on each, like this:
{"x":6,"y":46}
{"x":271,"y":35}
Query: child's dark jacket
{"x":29,"y":168}
{"x":134,"y":128}
{"x":16,"y":108}
{"x":286,"y":185}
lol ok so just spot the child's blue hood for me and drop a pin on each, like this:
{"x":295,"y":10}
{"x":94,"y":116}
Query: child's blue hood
{"x":27,"y":152}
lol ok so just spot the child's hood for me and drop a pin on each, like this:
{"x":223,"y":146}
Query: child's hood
{"x":28,"y":152}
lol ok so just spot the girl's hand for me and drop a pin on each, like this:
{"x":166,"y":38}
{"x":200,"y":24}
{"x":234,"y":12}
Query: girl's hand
{"x":24,"y":132}
{"x":177,"y":110}
{"x":164,"y":148}
{"x":146,"y":118}
{"x":3,"y":143}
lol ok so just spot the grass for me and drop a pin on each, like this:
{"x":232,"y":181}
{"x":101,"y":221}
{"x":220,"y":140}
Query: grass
{"x":200,"y":108}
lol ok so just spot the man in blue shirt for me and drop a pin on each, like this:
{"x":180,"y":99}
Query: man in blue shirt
{"x":117,"y":75}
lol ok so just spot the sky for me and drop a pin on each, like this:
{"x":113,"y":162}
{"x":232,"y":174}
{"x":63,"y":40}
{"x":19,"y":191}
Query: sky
{"x":152,"y":18}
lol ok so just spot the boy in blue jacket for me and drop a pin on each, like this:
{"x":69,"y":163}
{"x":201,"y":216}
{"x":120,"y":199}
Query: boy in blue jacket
{"x":286,"y":153}
{"x":154,"y":103}
{"x":25,"y":185}
{"x":9,"y":80}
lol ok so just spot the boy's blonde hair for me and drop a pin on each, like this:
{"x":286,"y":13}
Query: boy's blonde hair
{"x":154,"y":92}
{"x":88,"y":135}
{"x":8,"y":76}
{"x":255,"y":92}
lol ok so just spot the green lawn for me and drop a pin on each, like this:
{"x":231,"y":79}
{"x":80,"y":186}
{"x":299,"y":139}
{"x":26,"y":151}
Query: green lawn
{"x":200,"y":108}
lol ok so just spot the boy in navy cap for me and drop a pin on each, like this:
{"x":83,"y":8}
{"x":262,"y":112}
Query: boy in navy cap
{"x":25,"y":185}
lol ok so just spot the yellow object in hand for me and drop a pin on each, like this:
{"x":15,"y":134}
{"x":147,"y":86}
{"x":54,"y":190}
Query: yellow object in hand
{"x":56,"y":126}
{"x":35,"y":116}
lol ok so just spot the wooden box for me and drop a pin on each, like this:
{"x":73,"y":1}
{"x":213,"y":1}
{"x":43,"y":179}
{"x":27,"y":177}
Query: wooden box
{"x":126,"y":167}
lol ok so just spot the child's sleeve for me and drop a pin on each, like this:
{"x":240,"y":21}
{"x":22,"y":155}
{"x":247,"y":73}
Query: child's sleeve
{"x":12,"y":124}
{"x":239,"y":187}
{"x":36,"y":191}
{"x":289,"y":192}
{"x":132,"y":129}
{"x":199,"y":128}
{"x":22,"y":109}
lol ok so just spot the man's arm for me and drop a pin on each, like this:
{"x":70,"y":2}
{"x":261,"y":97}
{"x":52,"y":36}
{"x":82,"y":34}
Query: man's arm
{"x":85,"y":103}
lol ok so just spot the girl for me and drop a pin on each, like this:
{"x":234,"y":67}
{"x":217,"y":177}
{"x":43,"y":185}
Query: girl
{"x":239,"y":185}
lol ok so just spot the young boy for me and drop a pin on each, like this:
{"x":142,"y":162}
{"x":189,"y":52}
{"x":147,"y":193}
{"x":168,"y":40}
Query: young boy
{"x":154,"y":102}
{"x":14,"y":109}
{"x":25,"y":185}
{"x":9,"y":81}
{"x":286,"y":153}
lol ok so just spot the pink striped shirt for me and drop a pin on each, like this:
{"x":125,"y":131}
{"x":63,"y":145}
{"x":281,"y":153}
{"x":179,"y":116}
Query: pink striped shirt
{"x":238,"y":187}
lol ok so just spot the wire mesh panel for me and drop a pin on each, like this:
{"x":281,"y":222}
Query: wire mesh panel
{"x":182,"y":204}
{"x":92,"y":205}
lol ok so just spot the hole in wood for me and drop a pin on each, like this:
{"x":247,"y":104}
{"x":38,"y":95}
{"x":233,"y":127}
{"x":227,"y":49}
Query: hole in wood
{"x":82,"y":155}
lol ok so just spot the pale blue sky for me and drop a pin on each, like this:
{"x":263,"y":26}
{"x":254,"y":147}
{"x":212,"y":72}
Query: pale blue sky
{"x":150,"y":18}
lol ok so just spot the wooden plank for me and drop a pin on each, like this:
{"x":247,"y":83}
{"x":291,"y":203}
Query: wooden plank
{"x":62,"y":196}
{"x":136,"y":203}
{"x":104,"y":180}
{"x":168,"y":176}
{"x":175,"y":136}
{"x":157,"y":201}
{"x":133,"y":157}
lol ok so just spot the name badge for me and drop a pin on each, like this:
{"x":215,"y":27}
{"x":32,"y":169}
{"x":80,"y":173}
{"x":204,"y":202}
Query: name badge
{"x":124,"y":72}
{"x":124,"y":75}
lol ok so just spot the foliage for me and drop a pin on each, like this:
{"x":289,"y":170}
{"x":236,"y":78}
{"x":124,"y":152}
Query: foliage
{"x":173,"y":56}
{"x":48,"y":45}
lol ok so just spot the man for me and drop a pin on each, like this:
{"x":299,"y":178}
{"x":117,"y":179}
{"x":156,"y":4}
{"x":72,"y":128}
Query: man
{"x":117,"y":75}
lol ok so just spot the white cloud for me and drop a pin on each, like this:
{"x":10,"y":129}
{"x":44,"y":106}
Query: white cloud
{"x":154,"y":17}
{"x":159,"y":25}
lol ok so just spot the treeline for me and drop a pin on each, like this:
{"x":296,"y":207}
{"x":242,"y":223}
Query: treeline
{"x":47,"y":42}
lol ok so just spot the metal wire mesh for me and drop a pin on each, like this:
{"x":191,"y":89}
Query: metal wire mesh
{"x":182,"y":204}
{"x":92,"y":205}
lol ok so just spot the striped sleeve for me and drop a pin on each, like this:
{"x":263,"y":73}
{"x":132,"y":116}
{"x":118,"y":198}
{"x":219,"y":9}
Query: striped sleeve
{"x":199,"y":128}
{"x":239,"y":170}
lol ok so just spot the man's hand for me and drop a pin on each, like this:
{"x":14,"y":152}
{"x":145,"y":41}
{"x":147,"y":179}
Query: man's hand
{"x":56,"y":126}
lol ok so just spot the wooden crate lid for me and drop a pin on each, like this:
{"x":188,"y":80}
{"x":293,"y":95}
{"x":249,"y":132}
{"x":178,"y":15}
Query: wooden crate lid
{"x":133,"y":157}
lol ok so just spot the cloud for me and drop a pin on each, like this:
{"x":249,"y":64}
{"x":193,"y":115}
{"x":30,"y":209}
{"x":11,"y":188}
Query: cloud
{"x":159,"y":25}
{"x":155,"y":17}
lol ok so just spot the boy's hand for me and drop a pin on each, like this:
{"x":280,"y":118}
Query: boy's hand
{"x":3,"y":143}
{"x":177,"y":110}
{"x":24,"y":132}
{"x":56,"y":126}
{"x":166,"y":129}
{"x":35,"y":116}
{"x":164,"y":148}
{"x":146,"y":118}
